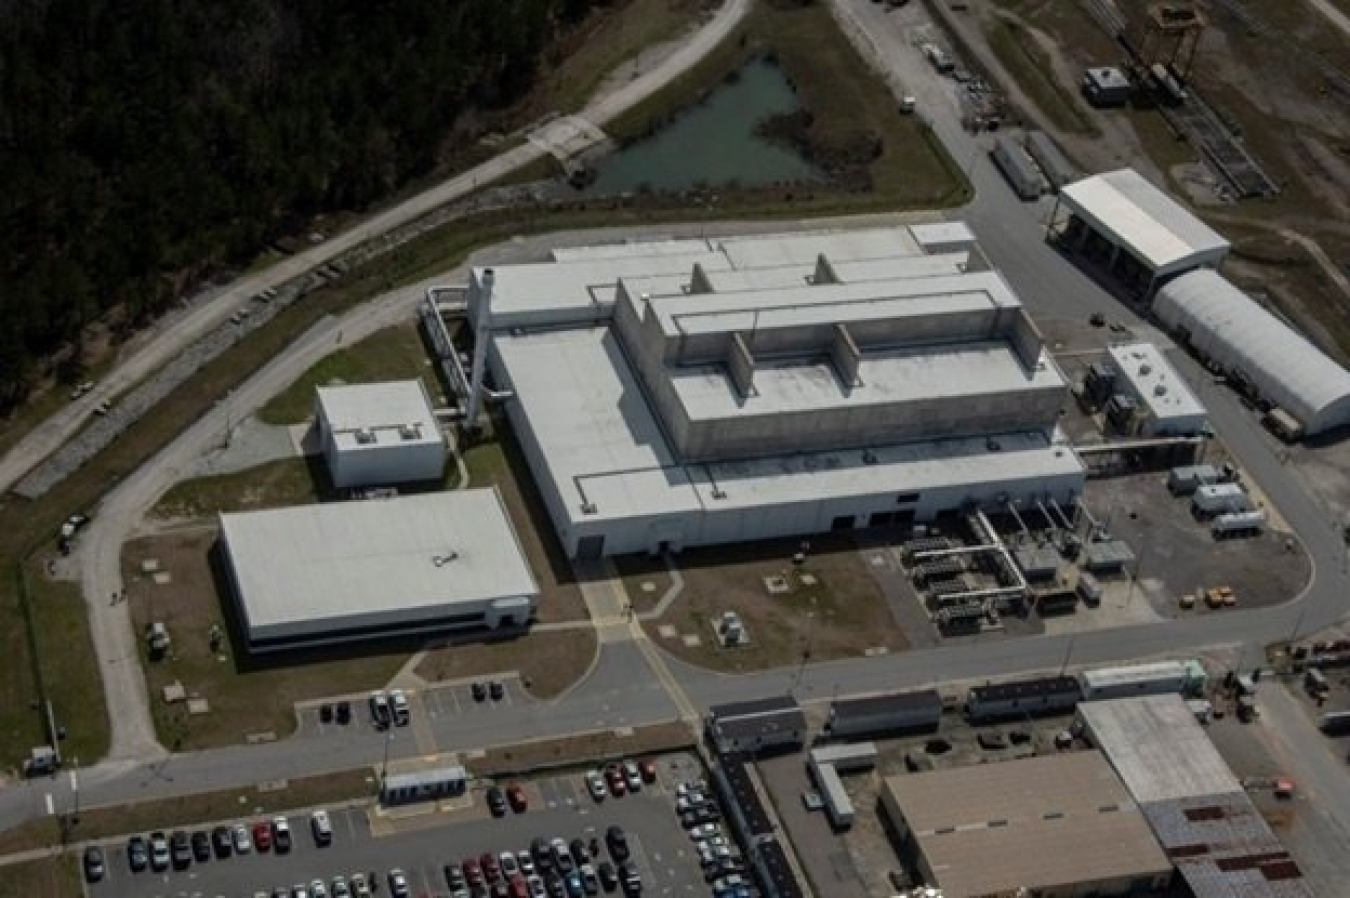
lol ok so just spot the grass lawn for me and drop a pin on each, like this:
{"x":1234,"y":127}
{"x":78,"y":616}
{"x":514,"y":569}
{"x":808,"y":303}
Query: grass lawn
{"x":51,"y":877}
{"x":548,"y":663}
{"x":287,"y":481}
{"x":832,"y":608}
{"x":1031,"y":67}
{"x":394,"y":353}
{"x":65,"y":643}
{"x":227,"y":804}
{"x":246,"y":694}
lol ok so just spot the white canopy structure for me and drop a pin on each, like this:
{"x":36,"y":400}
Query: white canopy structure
{"x":1228,"y":326}
{"x":1137,"y":218}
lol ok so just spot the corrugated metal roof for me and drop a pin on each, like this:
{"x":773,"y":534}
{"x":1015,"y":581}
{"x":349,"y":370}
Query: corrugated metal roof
{"x":1152,"y":225}
{"x":1230,"y":327}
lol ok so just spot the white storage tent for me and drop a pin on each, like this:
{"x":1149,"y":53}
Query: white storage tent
{"x":1228,"y":326}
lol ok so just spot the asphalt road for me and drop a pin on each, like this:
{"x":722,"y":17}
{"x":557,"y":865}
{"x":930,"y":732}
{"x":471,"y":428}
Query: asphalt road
{"x":622,"y":686}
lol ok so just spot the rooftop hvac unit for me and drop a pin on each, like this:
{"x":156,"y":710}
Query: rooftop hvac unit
{"x":409,"y":431}
{"x":365,"y":436}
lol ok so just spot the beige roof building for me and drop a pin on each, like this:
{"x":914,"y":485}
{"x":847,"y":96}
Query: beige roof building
{"x":1057,"y":825}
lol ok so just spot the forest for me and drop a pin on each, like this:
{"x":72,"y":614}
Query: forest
{"x":146,"y":144}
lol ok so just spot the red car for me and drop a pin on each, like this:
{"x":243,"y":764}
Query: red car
{"x":614,"y":776}
{"x":262,"y":835}
{"x":648,"y":768}
{"x":491,"y":869}
{"x":519,"y":889}
{"x":515,"y":794}
{"x":472,"y":871}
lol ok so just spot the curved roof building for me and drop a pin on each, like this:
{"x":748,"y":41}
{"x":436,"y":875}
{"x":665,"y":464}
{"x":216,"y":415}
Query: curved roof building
{"x":1229,"y":326}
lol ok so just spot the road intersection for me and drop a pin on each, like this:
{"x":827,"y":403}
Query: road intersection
{"x":627,"y":686}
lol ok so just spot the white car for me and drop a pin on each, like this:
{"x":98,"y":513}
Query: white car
{"x":340,"y":889}
{"x":509,"y":865}
{"x":243,"y":843}
{"x":398,"y":705}
{"x":398,"y":884}
{"x":317,"y":889}
{"x":705,"y":831}
{"x":595,"y":784}
{"x":632,"y":775}
{"x":686,"y":788}
{"x":689,"y":801}
{"x":360,"y":887}
{"x":537,"y":887}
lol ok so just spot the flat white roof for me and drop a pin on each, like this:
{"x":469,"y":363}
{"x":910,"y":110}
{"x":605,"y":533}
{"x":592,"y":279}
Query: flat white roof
{"x":1155,"y":381}
{"x":1158,"y":748}
{"x":941,"y":232}
{"x":603,"y":444}
{"x":946,"y":371}
{"x":1103,"y":677}
{"x":1137,"y":215}
{"x":909,"y":297}
{"x":331,"y":561}
{"x":395,"y":412}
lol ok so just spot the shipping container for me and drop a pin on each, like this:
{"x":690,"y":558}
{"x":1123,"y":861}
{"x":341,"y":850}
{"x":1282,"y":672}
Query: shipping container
{"x":1056,"y":167}
{"x":1017,"y":167}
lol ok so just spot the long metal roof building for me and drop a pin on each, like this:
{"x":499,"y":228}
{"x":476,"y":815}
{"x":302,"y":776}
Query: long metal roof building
{"x":1228,"y":326}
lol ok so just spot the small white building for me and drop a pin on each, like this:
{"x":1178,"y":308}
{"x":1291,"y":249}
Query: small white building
{"x":1167,"y":407}
{"x":378,"y":434}
{"x":353,"y":571}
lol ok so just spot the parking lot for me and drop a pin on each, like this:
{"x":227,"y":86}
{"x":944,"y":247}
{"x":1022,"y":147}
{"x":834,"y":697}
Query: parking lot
{"x":427,"y":704}
{"x":421,"y":844}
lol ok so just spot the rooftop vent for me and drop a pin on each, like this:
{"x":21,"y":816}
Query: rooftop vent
{"x":443,"y":560}
{"x":409,"y":431}
{"x":365,"y":436}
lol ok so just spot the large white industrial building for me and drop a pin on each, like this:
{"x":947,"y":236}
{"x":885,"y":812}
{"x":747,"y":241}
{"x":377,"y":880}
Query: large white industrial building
{"x":1138,"y":233}
{"x":378,"y":434}
{"x":687,"y":392}
{"x":350,"y":571}
{"x":1230,"y":330}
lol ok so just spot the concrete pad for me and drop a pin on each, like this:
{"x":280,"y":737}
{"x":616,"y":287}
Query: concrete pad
{"x":777,"y":586}
{"x":198,"y":706}
{"x":648,"y":586}
{"x":808,"y":579}
{"x":174,"y":692}
{"x":691,"y":640}
{"x":667,"y":631}
{"x":149,"y":565}
{"x":162,"y":578}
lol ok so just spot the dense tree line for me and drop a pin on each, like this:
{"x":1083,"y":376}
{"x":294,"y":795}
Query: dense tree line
{"x":144,"y":143}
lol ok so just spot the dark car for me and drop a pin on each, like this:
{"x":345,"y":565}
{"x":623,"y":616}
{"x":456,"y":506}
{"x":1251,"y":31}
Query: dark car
{"x":617,"y":840}
{"x":201,"y":846}
{"x":579,"y":853}
{"x":181,"y":848}
{"x":609,"y":879}
{"x":515,"y":794}
{"x":344,"y":712}
{"x":497,"y":689}
{"x":539,"y":848}
{"x":94,"y":868}
{"x":705,"y":814}
{"x":491,"y":869}
{"x":472,"y":872}
{"x":647,"y":767}
{"x":631,"y":878}
{"x":556,"y":889}
{"x":138,"y":854}
{"x":496,"y":801}
{"x":479,"y":689}
{"x":454,"y":878}
{"x":325,"y":713}
{"x":220,"y":840}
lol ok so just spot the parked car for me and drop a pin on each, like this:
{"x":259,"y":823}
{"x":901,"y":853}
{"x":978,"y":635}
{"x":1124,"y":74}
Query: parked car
{"x":497,"y":689}
{"x":609,"y":879}
{"x":94,"y":866}
{"x":507,"y":863}
{"x":577,"y":848}
{"x":647,"y":767}
{"x":159,"y":851}
{"x":379,"y":709}
{"x":340,"y":887}
{"x":614,"y":776}
{"x":491,"y":869}
{"x":630,"y":878}
{"x":262,"y":835}
{"x":317,"y":889}
{"x":138,"y":854}
{"x":539,"y":848}
{"x":454,"y":878}
{"x":496,"y":801}
{"x":536,"y":886}
{"x":360,"y":885}
{"x":479,"y":690}
{"x":617,"y":840}
{"x":281,"y":834}
{"x":242,"y":843}
{"x":515,"y":794}
{"x":632,"y":776}
{"x":589,"y":880}
{"x":705,"y":831}
{"x":526,"y":861}
{"x":398,"y":883}
{"x":322,"y":827}
{"x":399,"y":708}
{"x":220,"y":841}
{"x":595,"y":784}
{"x":472,"y":871}
{"x":562,"y":857}
{"x":180,"y":849}
{"x":343,"y":712}
{"x":201,"y":846}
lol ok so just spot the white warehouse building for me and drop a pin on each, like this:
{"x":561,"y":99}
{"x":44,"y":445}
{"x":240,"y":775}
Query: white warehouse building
{"x":378,"y":434}
{"x":1229,"y":329}
{"x":342,"y":572}
{"x":1167,"y":405}
{"x":680,"y":393}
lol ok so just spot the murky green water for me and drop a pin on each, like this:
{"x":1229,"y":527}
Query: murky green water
{"x":712,"y":144}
